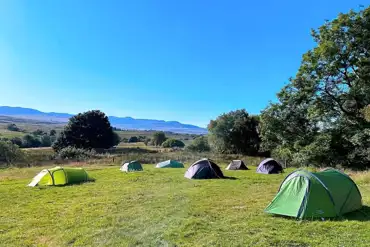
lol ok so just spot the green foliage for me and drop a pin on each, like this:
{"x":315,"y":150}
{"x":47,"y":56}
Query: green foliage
{"x":9,"y":152}
{"x":235,"y":132}
{"x":133,"y":139}
{"x":75,"y":153}
{"x":12,"y":127}
{"x":52,"y":132}
{"x":366,"y":113}
{"x":158,"y":138}
{"x":172,"y":143}
{"x":39,"y":132}
{"x":87,"y":130}
{"x":199,"y":144}
{"x":142,"y":138}
{"x":47,"y":141}
{"x":320,"y":118}
{"x":30,"y":141}
{"x":116,"y":138}
{"x":147,"y":141}
{"x":16,"y":141}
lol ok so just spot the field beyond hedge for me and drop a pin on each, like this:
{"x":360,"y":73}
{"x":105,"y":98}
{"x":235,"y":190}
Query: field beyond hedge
{"x":159,"y":207}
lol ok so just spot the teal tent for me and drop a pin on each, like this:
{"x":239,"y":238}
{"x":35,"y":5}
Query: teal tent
{"x":170,"y":164}
{"x":131,"y":166}
{"x":325,"y":194}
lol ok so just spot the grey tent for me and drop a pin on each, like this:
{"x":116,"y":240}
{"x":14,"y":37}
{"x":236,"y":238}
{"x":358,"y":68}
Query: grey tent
{"x":269,"y":166}
{"x":204,"y":169}
{"x":237,"y":165}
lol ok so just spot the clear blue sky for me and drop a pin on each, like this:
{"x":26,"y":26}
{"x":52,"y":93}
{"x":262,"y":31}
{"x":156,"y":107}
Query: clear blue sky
{"x":185,"y":60}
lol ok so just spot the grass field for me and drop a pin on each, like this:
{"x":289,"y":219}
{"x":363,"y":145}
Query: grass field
{"x":159,"y":207}
{"x":10,"y":134}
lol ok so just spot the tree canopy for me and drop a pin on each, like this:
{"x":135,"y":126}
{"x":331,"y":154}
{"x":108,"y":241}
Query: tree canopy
{"x":235,"y":132}
{"x":199,"y":144}
{"x":133,"y":139}
{"x":321,"y":114}
{"x":171,"y":143}
{"x":158,"y":138}
{"x":12,"y":127}
{"x":88,"y":130}
{"x":10,"y":152}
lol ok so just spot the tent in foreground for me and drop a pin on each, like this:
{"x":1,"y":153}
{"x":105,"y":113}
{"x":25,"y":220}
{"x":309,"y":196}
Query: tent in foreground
{"x":131,"y":166}
{"x":60,"y":176}
{"x":204,"y":169}
{"x":325,"y":194}
{"x":237,"y":165}
{"x":170,"y":164}
{"x":269,"y":166}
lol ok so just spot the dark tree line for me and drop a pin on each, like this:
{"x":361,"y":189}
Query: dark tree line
{"x":323,"y":115}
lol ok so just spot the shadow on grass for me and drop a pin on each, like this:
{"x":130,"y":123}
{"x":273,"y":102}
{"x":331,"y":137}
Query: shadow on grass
{"x":362,"y":214}
{"x":41,"y":187}
{"x":230,"y":178}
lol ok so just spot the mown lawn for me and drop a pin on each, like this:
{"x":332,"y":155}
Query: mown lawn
{"x":159,"y":207}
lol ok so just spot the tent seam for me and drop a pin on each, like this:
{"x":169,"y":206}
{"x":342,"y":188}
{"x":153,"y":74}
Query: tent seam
{"x":304,"y":201}
{"x":65,"y":175}
{"x":51,"y":175}
{"x":326,"y":188}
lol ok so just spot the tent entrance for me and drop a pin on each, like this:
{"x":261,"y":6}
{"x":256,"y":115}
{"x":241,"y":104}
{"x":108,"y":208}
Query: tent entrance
{"x":38,"y":178}
{"x":292,"y":197}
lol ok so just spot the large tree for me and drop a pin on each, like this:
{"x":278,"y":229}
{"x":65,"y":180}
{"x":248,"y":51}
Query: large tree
{"x":10,"y":152}
{"x":158,"y":138}
{"x":235,"y":132}
{"x":321,"y":114}
{"x":199,"y":144}
{"x":173,"y":143}
{"x":88,"y":130}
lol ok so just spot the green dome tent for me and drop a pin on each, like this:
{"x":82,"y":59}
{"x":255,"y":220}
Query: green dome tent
{"x":170,"y":164}
{"x":325,"y":194}
{"x":60,"y":176}
{"x":131,"y":166}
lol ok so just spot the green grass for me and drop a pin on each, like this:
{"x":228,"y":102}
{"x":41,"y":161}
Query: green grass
{"x":186,"y":138}
{"x":159,"y":207}
{"x":10,"y":134}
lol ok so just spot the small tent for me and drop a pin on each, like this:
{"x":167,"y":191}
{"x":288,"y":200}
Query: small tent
{"x":269,"y":166}
{"x":131,"y":166}
{"x":204,"y":169}
{"x":60,"y":176}
{"x":325,"y":194}
{"x":170,"y":164}
{"x":237,"y":165}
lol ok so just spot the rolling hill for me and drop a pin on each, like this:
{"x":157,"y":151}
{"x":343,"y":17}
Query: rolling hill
{"x":118,"y":122}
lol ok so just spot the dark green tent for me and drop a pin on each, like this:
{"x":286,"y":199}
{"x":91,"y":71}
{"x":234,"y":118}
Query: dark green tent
{"x":304,"y":194}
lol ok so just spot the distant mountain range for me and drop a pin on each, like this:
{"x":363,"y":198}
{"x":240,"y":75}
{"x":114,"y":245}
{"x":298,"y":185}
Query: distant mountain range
{"x":126,"y":123}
